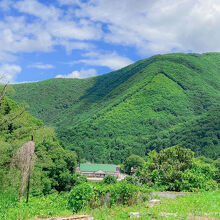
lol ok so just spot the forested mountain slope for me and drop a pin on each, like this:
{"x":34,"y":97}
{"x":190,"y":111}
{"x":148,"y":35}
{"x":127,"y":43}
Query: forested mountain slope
{"x":151,"y":104}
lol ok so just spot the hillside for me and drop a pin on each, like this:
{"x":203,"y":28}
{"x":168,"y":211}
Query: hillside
{"x":16,"y":128}
{"x":154,"y":103}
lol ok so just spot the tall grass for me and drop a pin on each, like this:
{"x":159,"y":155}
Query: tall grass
{"x":196,"y":204}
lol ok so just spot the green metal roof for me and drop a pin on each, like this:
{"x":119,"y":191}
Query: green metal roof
{"x":94,"y":167}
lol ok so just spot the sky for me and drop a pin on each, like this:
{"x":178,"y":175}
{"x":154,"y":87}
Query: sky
{"x":42,"y":39}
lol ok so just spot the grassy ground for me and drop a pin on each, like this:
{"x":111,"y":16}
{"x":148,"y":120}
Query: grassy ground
{"x":199,"y":204}
{"x":52,"y":205}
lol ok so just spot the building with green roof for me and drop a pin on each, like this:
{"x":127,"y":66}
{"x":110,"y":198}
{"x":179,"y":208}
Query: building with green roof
{"x":95,"y":171}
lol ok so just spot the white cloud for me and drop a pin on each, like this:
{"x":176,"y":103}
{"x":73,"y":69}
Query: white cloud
{"x":19,"y":36}
{"x":41,"y":66}
{"x":149,"y":26}
{"x":69,"y":2}
{"x":8,"y":72}
{"x":48,"y":27}
{"x":6,"y":57}
{"x":79,"y":74}
{"x":34,"y":7}
{"x":83,"y":30}
{"x":5,"y":4}
{"x":158,"y":26}
{"x":75,"y":45}
{"x":110,"y":60}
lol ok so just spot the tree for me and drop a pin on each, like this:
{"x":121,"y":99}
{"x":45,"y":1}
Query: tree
{"x":175,"y":169}
{"x":6,"y":116}
{"x":110,"y":179}
{"x":216,"y":163}
{"x":59,"y":165}
{"x":54,"y":167}
{"x":134,"y":161}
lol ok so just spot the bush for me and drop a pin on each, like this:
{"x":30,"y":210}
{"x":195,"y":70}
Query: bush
{"x":95,"y":195}
{"x":134,"y":161}
{"x":216,"y":164}
{"x":78,"y":179}
{"x":127,"y":194}
{"x":199,"y":177}
{"x":175,"y":169}
{"x":80,"y":197}
{"x":110,"y":179}
{"x":131,"y":180}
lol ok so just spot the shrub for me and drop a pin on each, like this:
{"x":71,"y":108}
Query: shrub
{"x":127,"y":194}
{"x":199,"y":177}
{"x":131,"y":180}
{"x":217,"y":172}
{"x":110,"y":179}
{"x":80,"y":196}
{"x":97,"y":195}
{"x":134,"y":161}
{"x":175,"y":169}
{"x":78,"y":179}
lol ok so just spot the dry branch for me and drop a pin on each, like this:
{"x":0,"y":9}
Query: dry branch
{"x":24,"y":161}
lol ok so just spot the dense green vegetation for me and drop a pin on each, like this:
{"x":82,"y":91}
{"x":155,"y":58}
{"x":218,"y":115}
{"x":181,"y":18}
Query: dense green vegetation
{"x":109,"y":179}
{"x":176,"y":169}
{"x":152,"y":104}
{"x":133,"y":116}
{"x":133,"y":161}
{"x":54,"y":168}
{"x":204,"y":204}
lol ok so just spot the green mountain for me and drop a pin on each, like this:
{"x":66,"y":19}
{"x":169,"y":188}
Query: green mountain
{"x":152,"y":104}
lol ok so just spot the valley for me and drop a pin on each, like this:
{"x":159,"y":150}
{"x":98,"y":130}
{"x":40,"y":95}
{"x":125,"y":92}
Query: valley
{"x":152,"y":104}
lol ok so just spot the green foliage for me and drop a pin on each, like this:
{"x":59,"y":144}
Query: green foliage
{"x":7,"y":201}
{"x":98,"y":194}
{"x":125,"y":194}
{"x":152,"y":104}
{"x":176,"y":170}
{"x":200,"y":176}
{"x":134,"y":161}
{"x":131,"y":179}
{"x":59,"y":165}
{"x":80,"y":196}
{"x":79,"y":179}
{"x":38,"y":206}
{"x":54,"y":167}
{"x":216,"y":164}
{"x":109,"y":179}
{"x":204,"y":204}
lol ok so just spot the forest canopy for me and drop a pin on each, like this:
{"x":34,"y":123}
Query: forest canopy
{"x":54,"y":168}
{"x":154,"y":103}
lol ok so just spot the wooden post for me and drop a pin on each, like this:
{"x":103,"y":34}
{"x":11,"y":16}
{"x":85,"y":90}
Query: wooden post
{"x":29,"y":174}
{"x":28,"y":185}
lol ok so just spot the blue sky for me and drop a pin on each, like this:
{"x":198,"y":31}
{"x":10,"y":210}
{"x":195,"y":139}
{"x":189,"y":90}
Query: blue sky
{"x":42,"y":39}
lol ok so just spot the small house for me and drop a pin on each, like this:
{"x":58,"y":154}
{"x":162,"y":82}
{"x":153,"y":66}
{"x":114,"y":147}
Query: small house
{"x":98,"y":171}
